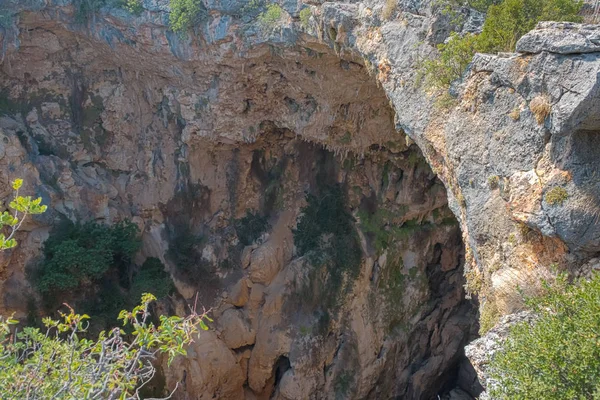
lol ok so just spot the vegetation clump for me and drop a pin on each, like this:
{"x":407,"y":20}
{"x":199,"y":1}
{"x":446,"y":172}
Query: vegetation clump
{"x":493,"y":181}
{"x":152,"y":278}
{"x":326,"y":236}
{"x":61,"y":361}
{"x":558,"y":357}
{"x":455,"y":56}
{"x":555,"y":196}
{"x":185,"y":14}
{"x":11,"y":221}
{"x":389,"y":9}
{"x":305,"y":15}
{"x":250,"y":227}
{"x":134,"y":6}
{"x":76,"y":255}
{"x":271,"y":17}
{"x":506,"y":21}
{"x":540,"y":107}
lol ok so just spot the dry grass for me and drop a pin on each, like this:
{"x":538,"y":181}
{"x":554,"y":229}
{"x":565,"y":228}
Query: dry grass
{"x":473,"y":281}
{"x":388,"y":9}
{"x":509,"y":293}
{"x":384,"y":70}
{"x":540,"y":106}
{"x":369,"y":67}
{"x":515,"y":114}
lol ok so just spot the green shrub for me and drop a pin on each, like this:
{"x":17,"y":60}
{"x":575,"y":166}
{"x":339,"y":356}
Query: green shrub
{"x":488,"y":316}
{"x":454,"y":57}
{"x":493,"y":181}
{"x":482,"y":5}
{"x":76,"y":255}
{"x":505,"y":23}
{"x":326,"y":236}
{"x":558,"y":357}
{"x":60,"y":362}
{"x":11,"y":221}
{"x":134,"y":6}
{"x":185,"y":14}
{"x":250,"y":227}
{"x":269,"y":19}
{"x":186,"y":255}
{"x":151,"y":278}
{"x":305,"y":15}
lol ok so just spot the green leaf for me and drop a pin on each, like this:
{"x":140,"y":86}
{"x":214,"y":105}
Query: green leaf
{"x":17,"y":183}
{"x":203,"y":325}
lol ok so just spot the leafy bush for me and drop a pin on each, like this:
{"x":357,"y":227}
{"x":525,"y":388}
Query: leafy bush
{"x":269,"y":19}
{"x":559,"y":356}
{"x":305,"y":15}
{"x":58,"y":362}
{"x":326,"y":236}
{"x":505,"y":23}
{"x":77,"y":255}
{"x":22,"y":207}
{"x":250,"y":227}
{"x":151,"y":278}
{"x":455,"y":56}
{"x":134,"y":6}
{"x":185,"y":14}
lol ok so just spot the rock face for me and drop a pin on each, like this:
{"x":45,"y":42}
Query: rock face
{"x":114,"y":117}
{"x":480,"y":351}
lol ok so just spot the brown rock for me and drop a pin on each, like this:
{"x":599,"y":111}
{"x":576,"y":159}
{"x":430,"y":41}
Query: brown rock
{"x":235,"y":330}
{"x":240,"y":293}
{"x":209,"y":371}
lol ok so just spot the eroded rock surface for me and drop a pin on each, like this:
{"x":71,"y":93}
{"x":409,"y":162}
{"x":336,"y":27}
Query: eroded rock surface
{"x":117,"y":117}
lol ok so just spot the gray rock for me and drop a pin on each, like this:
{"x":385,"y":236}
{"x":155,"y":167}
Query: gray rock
{"x":481,"y":351}
{"x":561,"y":38}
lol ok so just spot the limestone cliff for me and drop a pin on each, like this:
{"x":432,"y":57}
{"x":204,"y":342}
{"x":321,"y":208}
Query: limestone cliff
{"x":117,"y":117}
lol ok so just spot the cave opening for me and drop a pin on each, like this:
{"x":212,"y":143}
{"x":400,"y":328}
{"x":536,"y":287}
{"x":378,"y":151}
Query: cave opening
{"x":218,"y":162}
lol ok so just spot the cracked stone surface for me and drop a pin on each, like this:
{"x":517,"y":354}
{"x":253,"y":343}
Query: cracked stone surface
{"x":121,"y":118}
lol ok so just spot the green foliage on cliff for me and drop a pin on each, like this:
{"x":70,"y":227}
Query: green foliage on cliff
{"x":134,"y":6}
{"x":506,"y":22}
{"x":151,"y":278}
{"x":305,"y":15}
{"x":504,"y":25}
{"x":326,"y":236}
{"x":185,"y":14}
{"x":11,"y":221}
{"x":271,"y":17}
{"x":59,"y":362}
{"x":250,"y":227}
{"x":76,"y":255}
{"x":559,"y":356}
{"x":454,"y":57}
